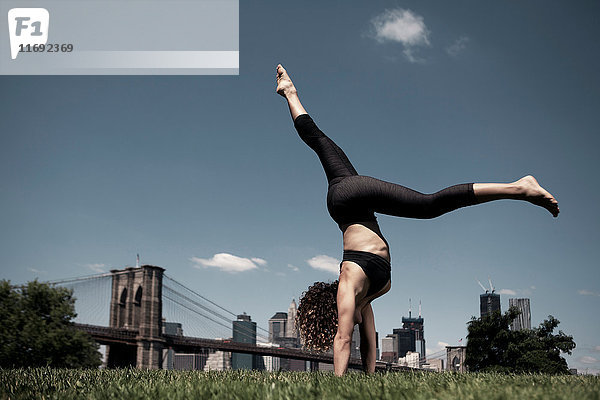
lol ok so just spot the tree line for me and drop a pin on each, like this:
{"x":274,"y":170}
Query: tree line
{"x":37,"y":329}
{"x":493,"y":346}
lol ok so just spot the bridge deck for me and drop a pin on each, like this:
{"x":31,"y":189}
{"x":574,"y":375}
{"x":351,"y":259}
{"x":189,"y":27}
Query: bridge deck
{"x":107,"y":335}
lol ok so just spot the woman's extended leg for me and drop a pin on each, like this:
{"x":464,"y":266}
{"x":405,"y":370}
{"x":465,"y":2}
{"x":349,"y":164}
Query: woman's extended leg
{"x":334,"y":160}
{"x":357,"y":194}
{"x":286,"y":88}
{"x":526,"y":188}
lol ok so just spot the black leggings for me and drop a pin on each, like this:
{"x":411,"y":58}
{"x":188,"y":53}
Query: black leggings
{"x":355,"y":198}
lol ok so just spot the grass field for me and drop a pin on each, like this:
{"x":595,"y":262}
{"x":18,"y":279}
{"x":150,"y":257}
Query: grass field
{"x":45,"y":383}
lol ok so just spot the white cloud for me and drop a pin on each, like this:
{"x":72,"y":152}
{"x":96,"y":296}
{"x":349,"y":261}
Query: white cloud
{"x":293,"y":268}
{"x":597,"y":348}
{"x":458,"y":46}
{"x":402,"y":26}
{"x":325,"y":263}
{"x":437,"y":350}
{"x":585,"y":292}
{"x":588,"y":360}
{"x":99,"y":268}
{"x":507,"y":291}
{"x":259,"y":261}
{"x":228,"y":262}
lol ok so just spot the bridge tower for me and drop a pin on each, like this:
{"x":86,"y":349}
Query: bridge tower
{"x":136,"y":304}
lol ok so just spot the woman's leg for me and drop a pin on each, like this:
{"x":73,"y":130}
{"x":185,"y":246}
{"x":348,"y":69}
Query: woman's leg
{"x":359,"y":194}
{"x":526,"y":188}
{"x":286,"y":88}
{"x":334,"y":160}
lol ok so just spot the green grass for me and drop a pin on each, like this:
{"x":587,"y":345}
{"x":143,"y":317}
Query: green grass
{"x":46,"y":383}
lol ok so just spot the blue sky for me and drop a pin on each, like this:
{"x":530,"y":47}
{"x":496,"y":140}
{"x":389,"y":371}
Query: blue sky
{"x":427,"y":94}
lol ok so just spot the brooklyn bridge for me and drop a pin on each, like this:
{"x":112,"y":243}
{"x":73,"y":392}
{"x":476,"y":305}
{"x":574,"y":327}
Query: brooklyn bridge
{"x":128,"y":310}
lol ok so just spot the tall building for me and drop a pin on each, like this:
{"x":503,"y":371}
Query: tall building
{"x":277,"y":326}
{"x":168,"y":357}
{"x":489,"y":303}
{"x":244,"y":331}
{"x":282,"y":330}
{"x":291,"y":320}
{"x":405,"y":341}
{"x":389,"y":348}
{"x":523,"y":321}
{"x":415,"y":327}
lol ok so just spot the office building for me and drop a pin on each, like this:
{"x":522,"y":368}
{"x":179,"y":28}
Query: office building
{"x":168,"y":355}
{"x":282,"y":331}
{"x":411,"y":360}
{"x":389,"y":348}
{"x":523,"y":321}
{"x":405,"y":341}
{"x":291,"y":320}
{"x":412,"y":335}
{"x":244,"y":331}
{"x":489,"y":303}
{"x":277,"y":326}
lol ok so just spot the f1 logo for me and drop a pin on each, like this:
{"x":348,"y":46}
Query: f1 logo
{"x":27,"y":26}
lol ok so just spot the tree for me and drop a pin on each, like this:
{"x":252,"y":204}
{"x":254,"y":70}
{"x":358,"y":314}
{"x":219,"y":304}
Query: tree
{"x":37,"y":328}
{"x":492,"y":346}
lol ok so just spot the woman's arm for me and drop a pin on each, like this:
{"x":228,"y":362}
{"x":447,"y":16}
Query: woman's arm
{"x":343,"y":338}
{"x":368,"y":339}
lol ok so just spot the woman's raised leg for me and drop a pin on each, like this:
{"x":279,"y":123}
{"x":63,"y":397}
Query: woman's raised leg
{"x":332,"y":157}
{"x":526,"y":188}
{"x":363,"y":193}
{"x":286,"y":88}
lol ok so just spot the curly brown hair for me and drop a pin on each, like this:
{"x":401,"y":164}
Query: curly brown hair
{"x":316,"y":317}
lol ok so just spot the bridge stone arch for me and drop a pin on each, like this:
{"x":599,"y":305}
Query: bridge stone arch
{"x":136,"y":304}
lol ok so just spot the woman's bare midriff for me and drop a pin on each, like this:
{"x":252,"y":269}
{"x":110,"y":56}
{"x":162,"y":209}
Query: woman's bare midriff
{"x":365,"y":236}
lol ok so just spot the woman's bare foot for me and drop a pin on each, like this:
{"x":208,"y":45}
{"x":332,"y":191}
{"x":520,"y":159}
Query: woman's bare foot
{"x":531,"y":191}
{"x":285,"y":87}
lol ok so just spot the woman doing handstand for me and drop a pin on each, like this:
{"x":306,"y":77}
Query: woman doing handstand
{"x":365,"y":270}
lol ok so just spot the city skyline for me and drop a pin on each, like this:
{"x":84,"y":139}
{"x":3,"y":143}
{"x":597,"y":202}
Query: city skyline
{"x":205,"y":175}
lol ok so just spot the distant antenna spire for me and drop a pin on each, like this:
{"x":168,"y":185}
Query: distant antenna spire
{"x":480,"y":284}
{"x":409,"y":307}
{"x":137,"y":261}
{"x":419,"y":308}
{"x":491,"y":286}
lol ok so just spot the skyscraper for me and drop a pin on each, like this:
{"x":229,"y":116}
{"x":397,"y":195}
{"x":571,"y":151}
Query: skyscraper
{"x":277,"y":326}
{"x":244,"y":331}
{"x":389,"y":348}
{"x":291,"y":320}
{"x":411,"y":336}
{"x":405,"y":341}
{"x":489,"y":303}
{"x":282,"y":330}
{"x":523,"y":321}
